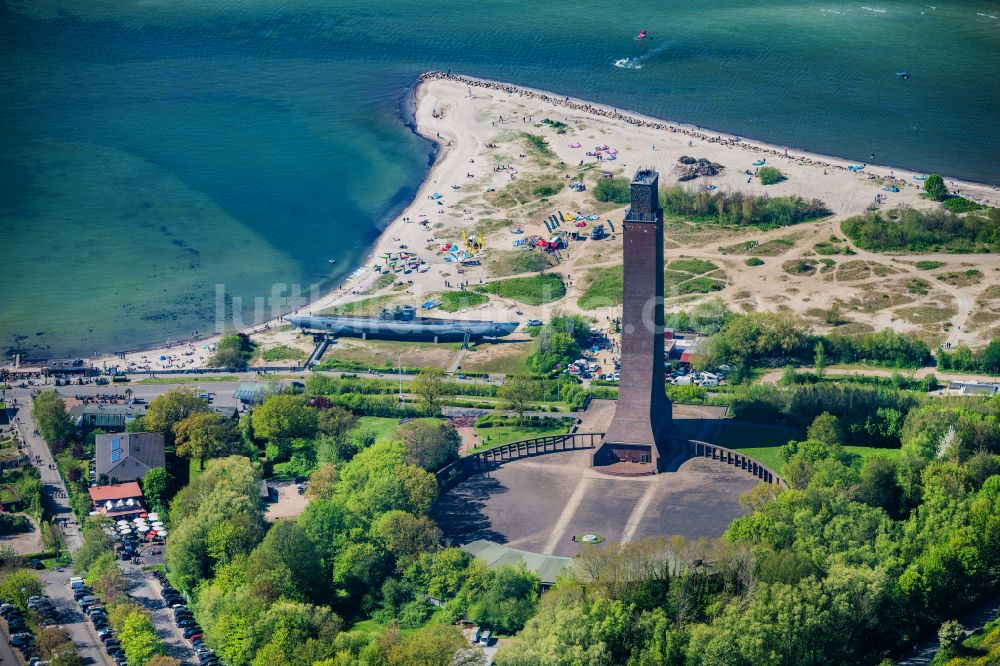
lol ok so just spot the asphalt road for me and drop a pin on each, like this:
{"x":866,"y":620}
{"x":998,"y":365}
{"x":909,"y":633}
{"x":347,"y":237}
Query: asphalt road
{"x":53,"y":490}
{"x":8,"y":655}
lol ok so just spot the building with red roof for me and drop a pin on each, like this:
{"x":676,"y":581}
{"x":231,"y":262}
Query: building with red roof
{"x":121,"y":499}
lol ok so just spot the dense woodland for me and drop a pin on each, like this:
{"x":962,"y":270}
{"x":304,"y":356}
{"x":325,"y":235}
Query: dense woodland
{"x":857,"y":558}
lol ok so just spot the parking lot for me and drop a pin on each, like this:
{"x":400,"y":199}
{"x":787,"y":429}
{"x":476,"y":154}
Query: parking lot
{"x":72,"y":619}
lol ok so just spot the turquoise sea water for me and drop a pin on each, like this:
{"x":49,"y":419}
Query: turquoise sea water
{"x":154,"y":150}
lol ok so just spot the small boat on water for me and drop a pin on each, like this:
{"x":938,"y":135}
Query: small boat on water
{"x":332,"y":261}
{"x":903,"y":74}
{"x":641,"y":35}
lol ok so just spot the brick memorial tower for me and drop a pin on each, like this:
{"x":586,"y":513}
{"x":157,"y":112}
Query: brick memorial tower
{"x":637,"y":440}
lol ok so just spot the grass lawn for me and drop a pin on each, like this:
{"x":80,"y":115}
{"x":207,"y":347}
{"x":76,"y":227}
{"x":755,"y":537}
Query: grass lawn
{"x":760,"y":442}
{"x":763,"y":443}
{"x":508,"y":358}
{"x":453,"y":301}
{"x":366,"y":306}
{"x":283,"y":353}
{"x":194,"y":470}
{"x":187,"y":380}
{"x":533,"y":290}
{"x":383,"y":427}
{"x":605,"y":289}
{"x":512,"y":262}
{"x":491,"y":437}
{"x":693,"y":266}
{"x":386,"y":353}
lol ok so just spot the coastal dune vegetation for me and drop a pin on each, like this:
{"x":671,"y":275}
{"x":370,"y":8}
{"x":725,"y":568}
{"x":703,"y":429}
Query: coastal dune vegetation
{"x":909,"y":229}
{"x":732,"y":208}
{"x":531,"y":290}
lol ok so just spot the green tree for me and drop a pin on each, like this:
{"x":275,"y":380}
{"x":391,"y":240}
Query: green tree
{"x":433,"y":645}
{"x":55,"y":646}
{"x":378,"y":480}
{"x":935,"y":189}
{"x":322,"y":482}
{"x":287,"y":551}
{"x":204,"y":435}
{"x":406,"y":536}
{"x":950,"y":636}
{"x":154,"y":488}
{"x":163,"y":660}
{"x":430,"y":443}
{"x":429,"y":387}
{"x":138,"y":424}
{"x":518,"y":393}
{"x":508,"y":601}
{"x":138,"y":639}
{"x":16,"y":586}
{"x":48,"y":411}
{"x":232,"y":351}
{"x":819,"y":359}
{"x":990,"y":358}
{"x":336,"y":422}
{"x":167,"y":410}
{"x":230,"y":538}
{"x":228,"y":490}
{"x":826,"y":428}
{"x":879,"y":487}
{"x":283,"y":418}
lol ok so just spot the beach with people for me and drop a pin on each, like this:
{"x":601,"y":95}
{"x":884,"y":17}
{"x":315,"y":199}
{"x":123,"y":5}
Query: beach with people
{"x":480,"y":127}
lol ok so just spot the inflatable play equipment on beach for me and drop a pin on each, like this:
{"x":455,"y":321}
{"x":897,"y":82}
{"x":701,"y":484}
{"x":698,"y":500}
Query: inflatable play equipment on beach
{"x":856,"y":167}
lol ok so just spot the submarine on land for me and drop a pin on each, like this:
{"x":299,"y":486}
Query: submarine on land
{"x":403,"y":323}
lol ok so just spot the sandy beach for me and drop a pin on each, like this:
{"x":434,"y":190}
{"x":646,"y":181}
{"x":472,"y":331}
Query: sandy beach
{"x":480,"y":128}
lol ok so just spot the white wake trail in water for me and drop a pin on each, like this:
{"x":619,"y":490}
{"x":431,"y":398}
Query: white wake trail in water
{"x":637,"y":61}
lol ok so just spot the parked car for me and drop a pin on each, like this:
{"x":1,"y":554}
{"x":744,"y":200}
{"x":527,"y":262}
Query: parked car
{"x":21,"y":638}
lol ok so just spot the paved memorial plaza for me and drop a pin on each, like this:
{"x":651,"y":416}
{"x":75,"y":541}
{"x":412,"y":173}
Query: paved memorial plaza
{"x":540,"y":503}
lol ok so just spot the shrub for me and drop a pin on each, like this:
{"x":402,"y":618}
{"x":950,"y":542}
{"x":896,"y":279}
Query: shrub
{"x":613,"y":190}
{"x":961,"y":205}
{"x":923,"y":230}
{"x":754,"y":261}
{"x":770,"y":176}
{"x":538,"y":145}
{"x":740,"y":208}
